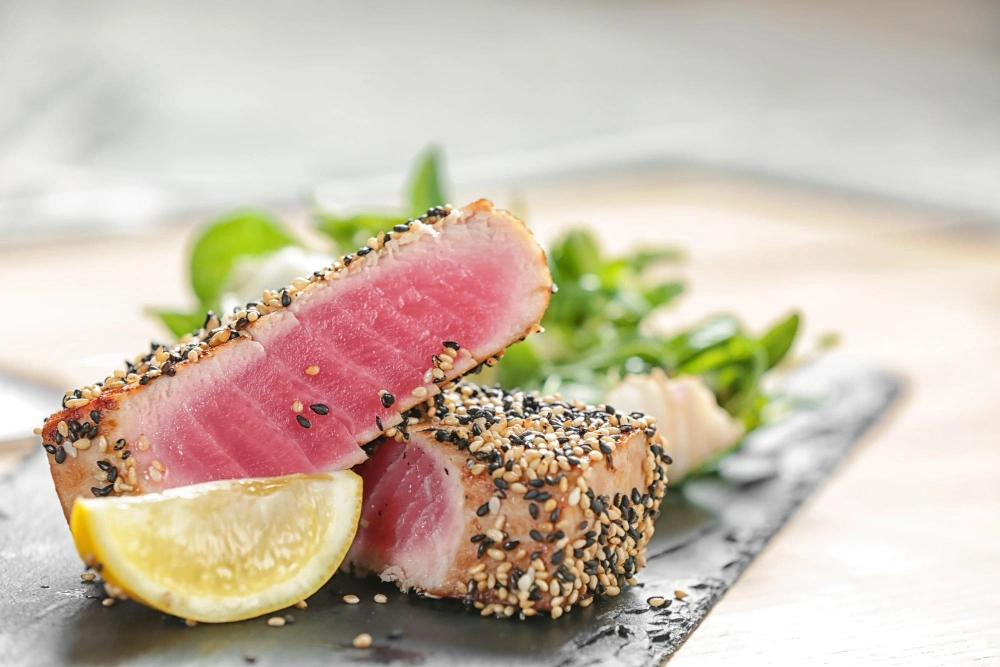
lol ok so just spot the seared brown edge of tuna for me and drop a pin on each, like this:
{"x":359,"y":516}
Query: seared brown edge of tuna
{"x":566,"y":441}
{"x":83,"y":422}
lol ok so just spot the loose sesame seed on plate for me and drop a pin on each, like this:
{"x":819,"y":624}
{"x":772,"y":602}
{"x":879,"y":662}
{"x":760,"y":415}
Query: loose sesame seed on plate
{"x":380,"y":598}
{"x":107,"y":602}
{"x":301,"y":604}
{"x":276,"y":621}
{"x":680,"y":595}
{"x":351,"y":599}
{"x":656,"y":601}
{"x":88,"y":576}
{"x":364,"y":640}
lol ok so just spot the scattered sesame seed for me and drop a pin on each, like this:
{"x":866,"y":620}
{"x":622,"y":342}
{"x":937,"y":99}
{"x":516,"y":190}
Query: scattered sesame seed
{"x":312,"y":370}
{"x":107,"y":602}
{"x":364,"y":640}
{"x":352,"y":599}
{"x":301,"y":604}
{"x":88,"y":576}
{"x":276,"y":621}
{"x":380,"y":598}
{"x":680,"y":595}
{"x":656,"y":601}
{"x":190,"y":622}
{"x":386,"y":398}
{"x":419,"y":392}
{"x":320,"y":409}
{"x":303,"y":422}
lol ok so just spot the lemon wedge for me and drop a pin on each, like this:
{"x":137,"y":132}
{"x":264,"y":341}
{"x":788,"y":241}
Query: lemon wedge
{"x":222,"y":551}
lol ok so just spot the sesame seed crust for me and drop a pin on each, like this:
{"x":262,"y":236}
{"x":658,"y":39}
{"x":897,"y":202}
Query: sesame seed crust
{"x":93,"y":407}
{"x":560,"y":496}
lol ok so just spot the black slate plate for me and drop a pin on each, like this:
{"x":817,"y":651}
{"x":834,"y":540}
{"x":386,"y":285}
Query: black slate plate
{"x":708,"y":534}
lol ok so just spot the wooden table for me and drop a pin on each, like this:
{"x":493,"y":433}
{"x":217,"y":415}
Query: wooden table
{"x":895,"y":561}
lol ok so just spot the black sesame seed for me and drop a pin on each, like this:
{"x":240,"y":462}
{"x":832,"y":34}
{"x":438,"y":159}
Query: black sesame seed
{"x":104,"y":465}
{"x":113,"y":475}
{"x":319,"y":409}
{"x":348,"y":259}
{"x":303,"y":422}
{"x":483,"y":509}
{"x":387,"y":399}
{"x":510,"y":544}
{"x":557,"y":557}
{"x":536,"y":536}
{"x":119,"y":444}
{"x":286,"y":299}
{"x":533,"y":510}
{"x":60,"y":455}
{"x":450,"y":344}
{"x":478,"y":538}
{"x":401,"y":228}
{"x":51,"y":449}
{"x":395,"y":633}
{"x":364,"y":251}
{"x":482,"y":549}
{"x":554,"y":516}
{"x":378,"y":423}
{"x":126,"y":455}
{"x":59,"y":438}
{"x":535,"y":555}
{"x":501,"y":483}
{"x":95,"y":416}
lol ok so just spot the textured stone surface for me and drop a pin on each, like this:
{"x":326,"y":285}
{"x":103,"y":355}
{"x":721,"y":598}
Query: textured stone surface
{"x":708,"y":534}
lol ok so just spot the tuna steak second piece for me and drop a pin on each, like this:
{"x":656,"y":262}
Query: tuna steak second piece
{"x":298,"y":380}
{"x":514,"y":503}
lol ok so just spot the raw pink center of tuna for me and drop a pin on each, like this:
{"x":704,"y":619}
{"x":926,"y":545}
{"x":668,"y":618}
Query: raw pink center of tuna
{"x":412,"y":514}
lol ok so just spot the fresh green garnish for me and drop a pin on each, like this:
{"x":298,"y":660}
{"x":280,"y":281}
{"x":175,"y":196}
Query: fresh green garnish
{"x":596,"y":331}
{"x":597,"y":327}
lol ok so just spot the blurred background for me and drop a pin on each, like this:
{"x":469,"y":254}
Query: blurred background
{"x":118,"y":115}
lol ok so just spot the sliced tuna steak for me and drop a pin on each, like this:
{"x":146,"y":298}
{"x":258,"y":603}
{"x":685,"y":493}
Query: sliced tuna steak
{"x":512,"y":502}
{"x":297,"y":381}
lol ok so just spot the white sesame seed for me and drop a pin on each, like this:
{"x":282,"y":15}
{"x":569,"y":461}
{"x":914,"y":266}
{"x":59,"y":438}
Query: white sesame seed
{"x":107,"y":602}
{"x":352,"y":599}
{"x":156,"y":464}
{"x":301,"y":604}
{"x":296,"y":406}
{"x":154,"y":474}
{"x":143,"y":443}
{"x":312,"y":370}
{"x":63,"y":429}
{"x":37,"y":430}
{"x":276,"y":621}
{"x":364,"y":640}
{"x":680,"y":595}
{"x":494,"y":505}
{"x":88,"y":576}
{"x":380,"y":598}
{"x":190,"y":622}
{"x":419,"y":392}
{"x":656,"y":601}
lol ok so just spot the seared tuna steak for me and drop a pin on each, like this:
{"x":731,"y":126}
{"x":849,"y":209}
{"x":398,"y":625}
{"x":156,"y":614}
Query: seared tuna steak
{"x":515,"y":503}
{"x":297,"y":381}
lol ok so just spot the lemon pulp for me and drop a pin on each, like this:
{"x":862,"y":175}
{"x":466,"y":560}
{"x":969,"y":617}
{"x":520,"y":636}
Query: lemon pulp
{"x":223,"y":551}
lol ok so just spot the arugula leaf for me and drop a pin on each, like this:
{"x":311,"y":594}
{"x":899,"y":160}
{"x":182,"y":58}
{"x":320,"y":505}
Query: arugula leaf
{"x":779,"y":338}
{"x":426,"y":185}
{"x":354,"y":231}
{"x":179,"y":323}
{"x":223,"y":241}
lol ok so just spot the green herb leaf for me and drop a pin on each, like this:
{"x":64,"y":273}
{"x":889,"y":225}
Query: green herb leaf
{"x":779,"y":338}
{"x":353,"y":231}
{"x":179,"y":323}
{"x":662,"y":294}
{"x":223,"y":241}
{"x":427,"y":185}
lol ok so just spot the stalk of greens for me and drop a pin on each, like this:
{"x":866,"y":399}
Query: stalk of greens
{"x":596,"y":327}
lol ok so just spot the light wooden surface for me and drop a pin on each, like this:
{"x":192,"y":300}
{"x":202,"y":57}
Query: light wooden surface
{"x":895,"y":561}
